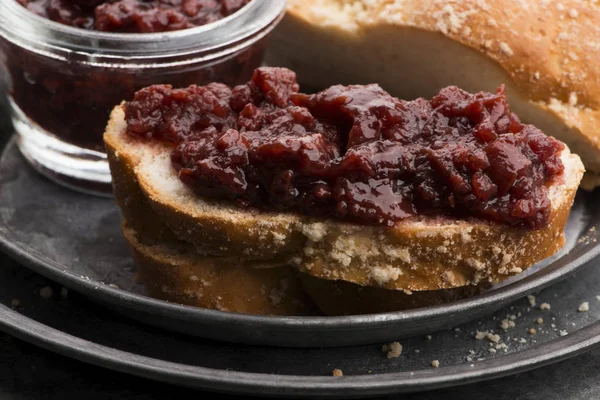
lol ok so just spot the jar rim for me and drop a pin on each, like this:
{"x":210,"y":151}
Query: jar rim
{"x":17,"y":24}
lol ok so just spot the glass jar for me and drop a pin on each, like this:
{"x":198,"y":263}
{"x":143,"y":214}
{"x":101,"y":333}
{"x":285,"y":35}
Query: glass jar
{"x":65,"y":80}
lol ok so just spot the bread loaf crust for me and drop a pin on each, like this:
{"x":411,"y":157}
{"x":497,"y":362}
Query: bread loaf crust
{"x":413,"y":48}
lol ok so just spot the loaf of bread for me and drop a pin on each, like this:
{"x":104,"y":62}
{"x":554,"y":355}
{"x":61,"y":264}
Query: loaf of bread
{"x":545,"y":52}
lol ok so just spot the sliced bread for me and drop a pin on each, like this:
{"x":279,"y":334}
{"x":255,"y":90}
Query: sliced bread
{"x":417,"y":254}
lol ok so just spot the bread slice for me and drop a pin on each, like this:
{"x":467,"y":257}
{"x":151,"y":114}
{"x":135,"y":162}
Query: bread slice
{"x":417,"y":254}
{"x":414,"y":47}
{"x":174,"y":272}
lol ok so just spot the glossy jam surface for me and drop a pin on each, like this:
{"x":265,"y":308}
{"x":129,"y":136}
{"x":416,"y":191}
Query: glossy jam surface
{"x":353,"y":152}
{"x":134,"y":16}
{"x":73,"y":101}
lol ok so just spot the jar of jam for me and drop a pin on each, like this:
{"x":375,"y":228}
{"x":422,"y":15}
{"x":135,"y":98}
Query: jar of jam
{"x":67,"y":71}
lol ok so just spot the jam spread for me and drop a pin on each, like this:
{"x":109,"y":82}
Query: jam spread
{"x":355,"y":153}
{"x":134,"y":16}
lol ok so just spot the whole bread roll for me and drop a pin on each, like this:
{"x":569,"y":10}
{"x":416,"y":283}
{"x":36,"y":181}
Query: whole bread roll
{"x":546,"y":53}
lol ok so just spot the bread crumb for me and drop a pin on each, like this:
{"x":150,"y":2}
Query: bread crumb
{"x":522,"y":341}
{"x":428,"y":337}
{"x":532,"y":331}
{"x":465,"y":235}
{"x":397,"y":253}
{"x":15,"y":302}
{"x":384,"y":275}
{"x":314,"y":232}
{"x":540,"y":321}
{"x":487,"y":335}
{"x":477,"y":264}
{"x":531,"y":299}
{"x":506,"y":49}
{"x":338,"y":372}
{"x":493,"y":338}
{"x":46,"y":292}
{"x":64,"y":292}
{"x":278,"y":237}
{"x":394,"y":349}
{"x":573,"y":96}
{"x":480,"y":335}
{"x":545,"y":306}
{"x":563,"y":333}
{"x":435,"y":363}
{"x":584,"y":307}
{"x":507,"y":324}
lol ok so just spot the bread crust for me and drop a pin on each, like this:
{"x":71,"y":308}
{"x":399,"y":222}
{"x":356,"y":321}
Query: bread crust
{"x":415,"y":255}
{"x":134,"y":206}
{"x":433,"y":254}
{"x":147,"y":211}
{"x":548,"y":63}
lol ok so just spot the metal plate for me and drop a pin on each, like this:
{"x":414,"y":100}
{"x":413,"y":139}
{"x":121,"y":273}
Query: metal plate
{"x":75,"y":239}
{"x":75,"y":327}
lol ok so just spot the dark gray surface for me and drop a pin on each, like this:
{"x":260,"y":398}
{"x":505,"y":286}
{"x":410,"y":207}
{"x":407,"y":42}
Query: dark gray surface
{"x":28,"y":373}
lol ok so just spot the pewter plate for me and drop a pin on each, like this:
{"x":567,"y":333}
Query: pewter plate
{"x":76,"y":327}
{"x":75,"y":239}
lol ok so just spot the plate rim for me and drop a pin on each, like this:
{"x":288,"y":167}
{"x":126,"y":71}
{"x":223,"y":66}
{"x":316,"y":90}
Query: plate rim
{"x":42,"y":264}
{"x":351,"y":386}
